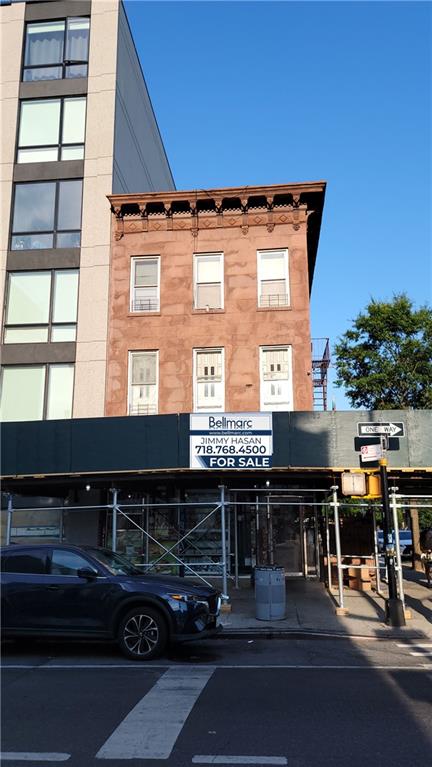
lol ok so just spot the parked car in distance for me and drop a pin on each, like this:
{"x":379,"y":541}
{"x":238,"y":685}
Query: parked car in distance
{"x":66,"y":591}
{"x":405,"y":542}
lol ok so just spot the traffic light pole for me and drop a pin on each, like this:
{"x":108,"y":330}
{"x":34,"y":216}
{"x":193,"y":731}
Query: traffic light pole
{"x":394,"y":607}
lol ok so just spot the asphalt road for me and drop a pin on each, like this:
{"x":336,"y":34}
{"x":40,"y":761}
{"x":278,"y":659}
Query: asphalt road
{"x":300,"y":703}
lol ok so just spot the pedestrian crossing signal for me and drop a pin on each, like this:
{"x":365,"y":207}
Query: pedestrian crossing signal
{"x":374,"y":485}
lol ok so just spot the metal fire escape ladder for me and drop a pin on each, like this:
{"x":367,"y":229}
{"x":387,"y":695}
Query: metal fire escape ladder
{"x":320,"y":349}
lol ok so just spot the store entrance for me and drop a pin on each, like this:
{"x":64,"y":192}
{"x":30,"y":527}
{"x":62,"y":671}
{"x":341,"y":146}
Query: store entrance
{"x":274,"y":529}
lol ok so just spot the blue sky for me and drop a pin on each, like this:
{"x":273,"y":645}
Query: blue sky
{"x":280,"y":92}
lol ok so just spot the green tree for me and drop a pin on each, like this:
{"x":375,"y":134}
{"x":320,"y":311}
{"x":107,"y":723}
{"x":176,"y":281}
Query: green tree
{"x":384,"y":362}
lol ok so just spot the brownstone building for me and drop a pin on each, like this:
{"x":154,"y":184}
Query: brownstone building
{"x":209,"y":300}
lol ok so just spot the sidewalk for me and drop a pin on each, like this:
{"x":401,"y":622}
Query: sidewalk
{"x":310,"y":610}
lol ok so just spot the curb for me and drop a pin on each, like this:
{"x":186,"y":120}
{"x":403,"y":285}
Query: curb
{"x":276,"y":633}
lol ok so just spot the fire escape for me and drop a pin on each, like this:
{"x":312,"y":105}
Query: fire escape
{"x":320,"y":366}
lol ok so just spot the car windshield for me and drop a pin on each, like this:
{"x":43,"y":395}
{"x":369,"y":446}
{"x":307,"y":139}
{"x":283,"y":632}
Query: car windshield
{"x":115,"y":563}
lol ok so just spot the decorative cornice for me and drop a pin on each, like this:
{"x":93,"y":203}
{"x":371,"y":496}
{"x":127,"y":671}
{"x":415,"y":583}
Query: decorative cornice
{"x":296,"y":205}
{"x":231,"y":207}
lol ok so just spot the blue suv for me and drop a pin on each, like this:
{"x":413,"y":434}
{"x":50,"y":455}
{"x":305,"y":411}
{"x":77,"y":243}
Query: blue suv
{"x":86,"y":592}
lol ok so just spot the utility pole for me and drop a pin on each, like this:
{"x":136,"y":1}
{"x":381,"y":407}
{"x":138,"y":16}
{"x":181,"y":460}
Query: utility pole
{"x":394,"y":607}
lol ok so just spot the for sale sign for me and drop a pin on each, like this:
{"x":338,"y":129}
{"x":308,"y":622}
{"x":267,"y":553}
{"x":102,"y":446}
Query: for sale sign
{"x":231,"y":441}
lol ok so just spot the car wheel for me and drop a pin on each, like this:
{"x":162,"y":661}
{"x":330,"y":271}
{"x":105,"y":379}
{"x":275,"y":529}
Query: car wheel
{"x":142,"y":634}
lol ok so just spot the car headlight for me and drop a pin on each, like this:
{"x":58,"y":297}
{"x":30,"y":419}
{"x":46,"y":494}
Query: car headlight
{"x":189,"y":598}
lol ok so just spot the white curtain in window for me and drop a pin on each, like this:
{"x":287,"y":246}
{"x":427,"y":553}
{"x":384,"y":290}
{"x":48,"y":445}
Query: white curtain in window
{"x":146,"y":272}
{"x":272,"y":265}
{"x":144,"y":368}
{"x":44,"y":43}
{"x":208,"y":268}
{"x":208,"y":295}
{"x":275,"y":364}
{"x":209,"y":366}
{"x":77,"y":39}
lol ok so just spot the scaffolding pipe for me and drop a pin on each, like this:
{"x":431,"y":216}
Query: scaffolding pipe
{"x":114,"y":521}
{"x":9,"y":519}
{"x":236,"y":558}
{"x":146,"y":542}
{"x":398,"y":551}
{"x":329,"y":576}
{"x":335,"y":505}
{"x":303,"y":544}
{"x":376,"y":553}
{"x":223,"y":536}
{"x":229,"y":567}
{"x":317,"y":545}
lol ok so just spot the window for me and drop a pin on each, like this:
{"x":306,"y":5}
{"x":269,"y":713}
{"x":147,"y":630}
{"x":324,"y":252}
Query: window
{"x":276,"y":378}
{"x":145,"y":280}
{"x":273,"y":288}
{"x":208,"y":379}
{"x":56,"y":49}
{"x":36,"y":392}
{"x":208,"y":281}
{"x":52,"y":129}
{"x":47,"y":215}
{"x":31,"y":561}
{"x":41,"y":306}
{"x":68,"y":563}
{"x":143,"y":383}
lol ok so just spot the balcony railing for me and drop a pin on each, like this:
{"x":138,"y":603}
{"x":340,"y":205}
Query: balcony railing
{"x":142,"y":409}
{"x":274,"y":300}
{"x":145,"y":305}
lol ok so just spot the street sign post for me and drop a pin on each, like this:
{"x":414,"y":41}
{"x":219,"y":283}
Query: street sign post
{"x":394,"y":606}
{"x":378,"y":428}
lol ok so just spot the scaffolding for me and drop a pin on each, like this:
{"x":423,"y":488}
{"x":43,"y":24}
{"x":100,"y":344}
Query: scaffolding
{"x":186,"y":554}
{"x":320,"y":349}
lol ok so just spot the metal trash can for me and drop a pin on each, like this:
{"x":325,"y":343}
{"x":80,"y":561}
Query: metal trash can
{"x":270,"y":598}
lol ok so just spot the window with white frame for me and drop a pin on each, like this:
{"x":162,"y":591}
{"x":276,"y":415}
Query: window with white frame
{"x":276,"y":378}
{"x":145,"y":281}
{"x":143,"y":383}
{"x":209,"y":387}
{"x":208,"y":280}
{"x":273,"y":286}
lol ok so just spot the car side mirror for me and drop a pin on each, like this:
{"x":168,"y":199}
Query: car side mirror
{"x":87,"y":572}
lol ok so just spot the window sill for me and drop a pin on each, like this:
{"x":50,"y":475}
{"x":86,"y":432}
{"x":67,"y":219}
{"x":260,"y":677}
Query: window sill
{"x":274,"y":308}
{"x":207,"y":311}
{"x":144,"y":314}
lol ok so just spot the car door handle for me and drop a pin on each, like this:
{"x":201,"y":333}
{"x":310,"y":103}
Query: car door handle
{"x":53,"y":588}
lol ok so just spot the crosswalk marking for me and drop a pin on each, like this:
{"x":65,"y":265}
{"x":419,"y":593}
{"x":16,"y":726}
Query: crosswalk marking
{"x":421,"y":654}
{"x":151,"y":729}
{"x":409,"y":646}
{"x":222,"y":666}
{"x":209,"y":759}
{"x":29,"y":756}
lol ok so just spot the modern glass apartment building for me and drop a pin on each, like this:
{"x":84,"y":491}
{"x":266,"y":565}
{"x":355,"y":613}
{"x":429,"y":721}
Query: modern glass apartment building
{"x":77,"y":125}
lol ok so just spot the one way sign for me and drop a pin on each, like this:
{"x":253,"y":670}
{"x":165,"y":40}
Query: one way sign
{"x":375,"y":428}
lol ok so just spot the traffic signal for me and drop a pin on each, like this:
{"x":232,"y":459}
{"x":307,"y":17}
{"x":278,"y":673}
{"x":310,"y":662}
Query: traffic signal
{"x":361,"y":484}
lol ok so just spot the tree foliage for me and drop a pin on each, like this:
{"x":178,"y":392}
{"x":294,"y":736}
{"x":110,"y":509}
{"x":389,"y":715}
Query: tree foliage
{"x":384,"y":362}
